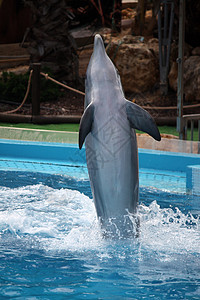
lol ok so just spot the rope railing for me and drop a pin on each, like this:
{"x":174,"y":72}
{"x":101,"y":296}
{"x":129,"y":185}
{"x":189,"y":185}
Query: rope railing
{"x":28,"y":90}
{"x":170,"y":107}
{"x":82,"y":93}
{"x":25,"y":97}
{"x":62,"y":84}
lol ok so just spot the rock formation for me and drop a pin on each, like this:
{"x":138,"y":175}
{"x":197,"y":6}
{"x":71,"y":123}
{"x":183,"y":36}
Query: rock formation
{"x":136,"y":61}
{"x":191,"y":74}
{"x":191,"y":77}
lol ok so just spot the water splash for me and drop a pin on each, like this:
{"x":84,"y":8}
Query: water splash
{"x":65,"y":220}
{"x":169,"y":231}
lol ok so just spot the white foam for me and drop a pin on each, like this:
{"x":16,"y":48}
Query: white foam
{"x":65,"y":220}
{"x":168,"y":231}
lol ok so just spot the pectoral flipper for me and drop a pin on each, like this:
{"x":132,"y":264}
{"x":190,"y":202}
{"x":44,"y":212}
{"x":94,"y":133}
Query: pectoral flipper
{"x":86,"y":123}
{"x":140,"y":119}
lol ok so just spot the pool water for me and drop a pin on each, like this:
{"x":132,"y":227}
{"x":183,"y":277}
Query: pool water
{"x":51,"y":245}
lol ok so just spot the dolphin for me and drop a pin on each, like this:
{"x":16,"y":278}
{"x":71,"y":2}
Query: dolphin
{"x":108,"y":128}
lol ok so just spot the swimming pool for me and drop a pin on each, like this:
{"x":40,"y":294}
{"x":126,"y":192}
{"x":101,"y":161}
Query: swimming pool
{"x":50,"y":241}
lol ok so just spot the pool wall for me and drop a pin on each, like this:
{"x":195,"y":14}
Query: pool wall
{"x":69,"y":154}
{"x":42,"y":152}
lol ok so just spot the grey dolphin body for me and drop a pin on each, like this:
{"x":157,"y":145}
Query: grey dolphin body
{"x":108,"y":125}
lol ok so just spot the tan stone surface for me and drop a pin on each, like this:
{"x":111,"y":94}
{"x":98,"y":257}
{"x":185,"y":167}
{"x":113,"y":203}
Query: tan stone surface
{"x":136,"y":63}
{"x":171,"y":144}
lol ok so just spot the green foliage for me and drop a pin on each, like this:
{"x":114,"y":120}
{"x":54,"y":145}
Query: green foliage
{"x":59,"y":127}
{"x":13,"y":88}
{"x":75,"y":128}
{"x":49,"y":91}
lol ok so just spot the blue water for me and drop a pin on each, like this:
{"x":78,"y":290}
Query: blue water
{"x":51,"y":245}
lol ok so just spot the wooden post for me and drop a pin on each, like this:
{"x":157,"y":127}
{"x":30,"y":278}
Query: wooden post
{"x":36,"y":89}
{"x":165,"y":36}
{"x":180,"y":93}
{"x":117,"y":15}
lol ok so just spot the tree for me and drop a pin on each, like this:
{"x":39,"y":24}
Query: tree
{"x":49,"y":39}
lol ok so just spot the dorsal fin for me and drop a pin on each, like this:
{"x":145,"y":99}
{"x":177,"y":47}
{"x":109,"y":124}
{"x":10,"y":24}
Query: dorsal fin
{"x":140,"y":119}
{"x":86,"y":123}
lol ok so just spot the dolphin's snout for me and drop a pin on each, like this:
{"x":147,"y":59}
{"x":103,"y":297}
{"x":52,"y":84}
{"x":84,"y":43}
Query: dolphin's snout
{"x":98,"y":40}
{"x":99,"y":45}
